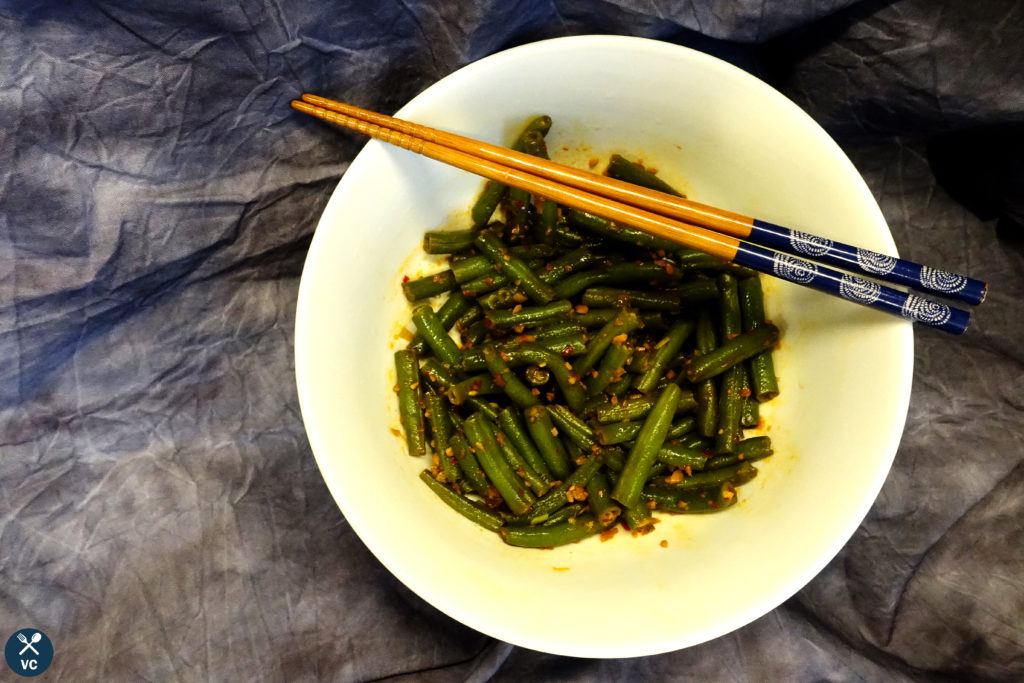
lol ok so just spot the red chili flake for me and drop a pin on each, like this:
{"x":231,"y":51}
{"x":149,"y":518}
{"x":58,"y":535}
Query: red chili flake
{"x":405,"y":278}
{"x":567,"y":351}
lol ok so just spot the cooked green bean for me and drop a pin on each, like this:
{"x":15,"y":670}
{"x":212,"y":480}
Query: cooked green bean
{"x":664,"y":351}
{"x":619,"y":326}
{"x":681,"y":456}
{"x":429,"y":285}
{"x":706,"y":391}
{"x":436,"y":412}
{"x":649,"y":320}
{"x":454,"y":308}
{"x":448,"y":241}
{"x":472,"y":386}
{"x":748,"y":450}
{"x":493,"y":191}
{"x":575,"y":429}
{"x":624,"y":432}
{"x":537,"y":482}
{"x":683,"y":502}
{"x":630,"y":298}
{"x":735,"y":475}
{"x":514,"y":267}
{"x":436,"y":336}
{"x":648,"y":442}
{"x":489,"y":520}
{"x":410,"y":411}
{"x":563,"y":347}
{"x":472,"y":473}
{"x":611,"y":368}
{"x":512,"y":489}
{"x":616,"y":274}
{"x":527,"y":315}
{"x":505,"y":379}
{"x":622,"y":233}
{"x":558,"y":496}
{"x":731,"y":352}
{"x":511,"y":424}
{"x":550,"y":536}
{"x":636,"y":408}
{"x":545,"y":436}
{"x":631,"y":172}
{"x":765,"y":385}
{"x":599,"y":498}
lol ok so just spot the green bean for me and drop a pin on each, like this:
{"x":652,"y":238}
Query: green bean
{"x":472,"y":473}
{"x":514,"y":267}
{"x":632,"y":172}
{"x":735,"y":475}
{"x":682,"y":502}
{"x":565,"y":375}
{"x":436,"y":336}
{"x":511,"y":424}
{"x":550,"y":536}
{"x":474,"y":334}
{"x":483,"y":285}
{"x":512,"y":489}
{"x":505,"y":379}
{"x":529,"y":314}
{"x":765,"y":385}
{"x":664,"y":351}
{"x":695,"y":293}
{"x":448,"y":241}
{"x":563,"y":347}
{"x":491,"y":521}
{"x":638,"y":519}
{"x":622,"y":233}
{"x":575,"y":429}
{"x":410,"y":411}
{"x":691,"y":259}
{"x":436,"y":412}
{"x":630,"y":298}
{"x":611,"y":367}
{"x":537,"y":375}
{"x":731,"y":352}
{"x":649,"y":320}
{"x":558,"y":496}
{"x":569,"y":512}
{"x":454,"y":308}
{"x":748,"y":450}
{"x":567,"y":264}
{"x":624,"y":432}
{"x":429,"y":285}
{"x":473,"y":386}
{"x":617,"y":274}
{"x":555,"y":328}
{"x":650,"y":440}
{"x":682,"y":457}
{"x":435,"y":372}
{"x":545,"y":437}
{"x":706,"y":391}
{"x":622,"y":324}
{"x":606,"y":511}
{"x":730,"y":398}
{"x":750,"y":411}
{"x":493,"y":190}
{"x":537,"y":482}
{"x":639,"y":407}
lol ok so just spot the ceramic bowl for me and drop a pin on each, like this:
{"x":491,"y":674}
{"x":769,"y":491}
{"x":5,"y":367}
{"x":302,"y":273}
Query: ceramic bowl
{"x":725,"y":138}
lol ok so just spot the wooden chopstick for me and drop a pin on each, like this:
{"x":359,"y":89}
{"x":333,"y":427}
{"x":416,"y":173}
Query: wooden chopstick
{"x":878,"y":266}
{"x":496,"y":164}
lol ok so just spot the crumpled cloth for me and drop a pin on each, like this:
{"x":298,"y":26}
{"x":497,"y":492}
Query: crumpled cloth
{"x":161,"y":514}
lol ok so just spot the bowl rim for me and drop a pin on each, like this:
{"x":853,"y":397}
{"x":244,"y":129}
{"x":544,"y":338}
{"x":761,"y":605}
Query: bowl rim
{"x":304,"y":373}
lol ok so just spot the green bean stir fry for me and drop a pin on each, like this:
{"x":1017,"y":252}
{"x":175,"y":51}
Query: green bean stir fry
{"x":600,"y":374}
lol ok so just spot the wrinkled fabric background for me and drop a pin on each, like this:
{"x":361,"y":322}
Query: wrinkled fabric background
{"x":161,"y":514}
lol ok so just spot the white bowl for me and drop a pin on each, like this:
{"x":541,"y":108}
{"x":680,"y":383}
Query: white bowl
{"x":845,"y":371}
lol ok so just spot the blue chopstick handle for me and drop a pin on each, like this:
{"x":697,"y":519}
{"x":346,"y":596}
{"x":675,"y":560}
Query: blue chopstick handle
{"x":873,"y":264}
{"x":853,"y":288}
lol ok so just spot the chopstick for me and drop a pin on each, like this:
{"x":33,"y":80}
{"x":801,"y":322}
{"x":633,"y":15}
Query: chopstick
{"x":878,"y":266}
{"x":561,"y":184}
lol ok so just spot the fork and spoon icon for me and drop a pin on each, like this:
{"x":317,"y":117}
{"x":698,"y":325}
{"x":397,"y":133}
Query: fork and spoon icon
{"x":36,"y":637}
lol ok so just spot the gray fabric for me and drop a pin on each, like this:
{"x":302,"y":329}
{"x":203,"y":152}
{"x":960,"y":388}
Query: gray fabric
{"x":161,"y":515}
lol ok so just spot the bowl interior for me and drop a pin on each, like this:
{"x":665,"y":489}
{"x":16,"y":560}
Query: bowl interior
{"x":725,"y":139}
